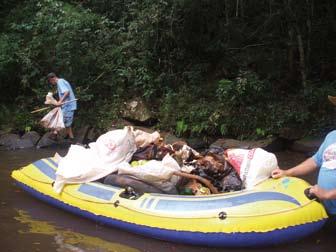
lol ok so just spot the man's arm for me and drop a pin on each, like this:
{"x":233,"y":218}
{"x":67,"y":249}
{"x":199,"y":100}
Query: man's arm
{"x":61,"y":100}
{"x":307,"y":166}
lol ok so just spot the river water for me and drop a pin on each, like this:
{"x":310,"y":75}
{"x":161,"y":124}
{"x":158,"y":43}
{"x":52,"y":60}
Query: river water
{"x":30,"y":225}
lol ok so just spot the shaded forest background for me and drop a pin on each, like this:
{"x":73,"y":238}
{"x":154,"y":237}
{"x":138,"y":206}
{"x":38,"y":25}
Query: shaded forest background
{"x":238,"y":68}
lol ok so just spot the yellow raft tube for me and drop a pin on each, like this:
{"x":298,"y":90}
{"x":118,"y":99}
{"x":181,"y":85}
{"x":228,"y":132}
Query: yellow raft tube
{"x":274,"y":212}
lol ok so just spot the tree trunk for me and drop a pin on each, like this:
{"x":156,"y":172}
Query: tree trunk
{"x":309,"y":32}
{"x":237,"y":8}
{"x":290,"y":54}
{"x":302,"y":59}
{"x":227,"y":12}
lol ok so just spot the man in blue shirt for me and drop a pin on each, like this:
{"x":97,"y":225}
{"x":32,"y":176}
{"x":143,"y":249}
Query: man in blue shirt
{"x":325,"y":160}
{"x":67,"y":100}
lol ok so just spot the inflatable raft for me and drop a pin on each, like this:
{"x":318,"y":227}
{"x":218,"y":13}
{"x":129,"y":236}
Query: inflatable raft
{"x":274,"y":212}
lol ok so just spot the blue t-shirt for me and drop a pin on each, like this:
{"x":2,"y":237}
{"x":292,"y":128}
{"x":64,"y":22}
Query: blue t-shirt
{"x":325,"y":158}
{"x":62,"y":87}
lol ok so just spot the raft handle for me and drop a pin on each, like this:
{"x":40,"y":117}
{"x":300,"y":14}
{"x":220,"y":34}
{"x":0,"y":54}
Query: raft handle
{"x":222,"y":215}
{"x":310,"y":195}
{"x":116,"y":203}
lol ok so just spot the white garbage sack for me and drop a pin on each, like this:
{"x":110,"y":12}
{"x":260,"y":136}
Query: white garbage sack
{"x":53,"y":120}
{"x":110,"y":152}
{"x":156,"y":173}
{"x":50,"y":100}
{"x":253,"y":166}
{"x":143,"y":139}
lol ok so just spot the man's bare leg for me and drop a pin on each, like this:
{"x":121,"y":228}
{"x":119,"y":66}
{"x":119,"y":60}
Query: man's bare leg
{"x":69,"y":132}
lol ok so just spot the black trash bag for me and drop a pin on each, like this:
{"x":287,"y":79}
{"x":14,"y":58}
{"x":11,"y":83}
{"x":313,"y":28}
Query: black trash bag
{"x":231,"y":182}
{"x":219,"y":172}
{"x":152,"y":151}
{"x":145,"y":153}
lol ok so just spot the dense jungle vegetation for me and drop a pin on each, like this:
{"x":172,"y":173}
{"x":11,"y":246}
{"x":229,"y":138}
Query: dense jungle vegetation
{"x":237,"y":68}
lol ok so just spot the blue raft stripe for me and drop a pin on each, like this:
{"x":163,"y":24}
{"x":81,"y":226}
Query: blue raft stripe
{"x":90,"y":190}
{"x":251,"y":239}
{"x":53,"y":162}
{"x":45,"y":169}
{"x":177,"y":205}
{"x":184,"y":205}
{"x":143,"y":202}
{"x":95,"y":191}
{"x":149,"y":203}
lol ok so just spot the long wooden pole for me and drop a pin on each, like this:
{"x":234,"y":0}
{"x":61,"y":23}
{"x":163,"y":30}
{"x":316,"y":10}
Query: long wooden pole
{"x":42,"y":109}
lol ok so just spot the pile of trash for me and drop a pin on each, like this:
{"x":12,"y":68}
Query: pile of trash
{"x":141,"y":162}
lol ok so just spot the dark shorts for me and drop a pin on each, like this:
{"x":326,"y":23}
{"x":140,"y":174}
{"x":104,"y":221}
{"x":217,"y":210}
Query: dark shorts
{"x":68,"y":118}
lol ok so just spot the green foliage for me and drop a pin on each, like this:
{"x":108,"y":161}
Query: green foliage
{"x":242,"y":108}
{"x":182,"y":113}
{"x":22,"y":121}
{"x":206,"y":67}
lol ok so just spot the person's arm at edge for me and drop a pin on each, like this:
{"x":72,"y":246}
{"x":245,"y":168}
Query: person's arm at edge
{"x":322,"y":193}
{"x":307,"y":166}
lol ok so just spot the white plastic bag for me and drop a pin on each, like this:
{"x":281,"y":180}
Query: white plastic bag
{"x":143,"y":139}
{"x":50,"y":100}
{"x":157,"y":173}
{"x":253,"y":166}
{"x":53,"y":120}
{"x":115,"y":145}
{"x":112,"y":150}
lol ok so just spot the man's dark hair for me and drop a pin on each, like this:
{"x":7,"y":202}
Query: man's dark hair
{"x":51,"y":75}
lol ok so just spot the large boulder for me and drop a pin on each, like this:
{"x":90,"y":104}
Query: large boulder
{"x":137,"y":110}
{"x":32,"y":136}
{"x":13,"y":141}
{"x":270,"y":144}
{"x":2,"y":132}
{"x":119,"y":124}
{"x":46,"y":141}
{"x":93,"y":134}
{"x":22,"y":144}
{"x":9,"y":140}
{"x":169,"y":138}
{"x":291,"y":134}
{"x":197,"y":143}
{"x":81,"y":134}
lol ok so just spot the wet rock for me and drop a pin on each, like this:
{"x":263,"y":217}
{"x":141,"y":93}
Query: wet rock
{"x":197,"y":143}
{"x":33,"y":136}
{"x":9,"y":140}
{"x":120,"y":123}
{"x":92,"y":135}
{"x":269,"y":144}
{"x":13,"y":141}
{"x":46,"y":141}
{"x":308,"y":146}
{"x":22,"y":144}
{"x":81,"y":134}
{"x":291,"y":133}
{"x":170,"y":138}
{"x":145,"y":129}
{"x":227,"y":143}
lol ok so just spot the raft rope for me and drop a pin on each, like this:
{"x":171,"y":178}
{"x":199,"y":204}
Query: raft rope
{"x":228,"y":215}
{"x":117,"y":203}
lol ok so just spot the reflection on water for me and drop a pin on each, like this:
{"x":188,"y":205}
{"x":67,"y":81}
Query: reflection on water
{"x":69,"y":241}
